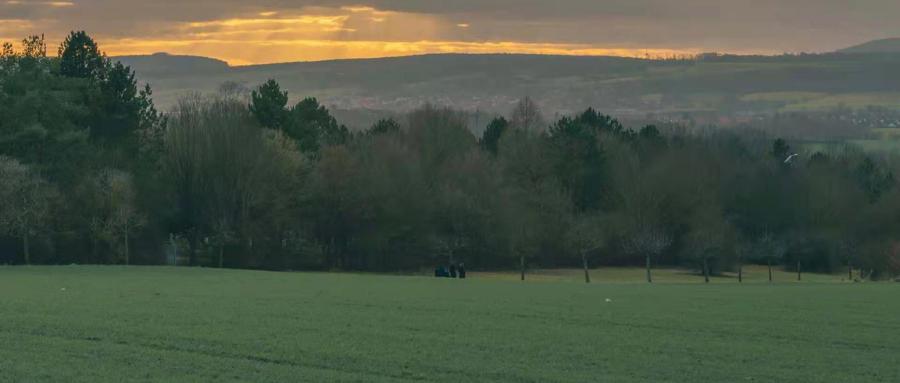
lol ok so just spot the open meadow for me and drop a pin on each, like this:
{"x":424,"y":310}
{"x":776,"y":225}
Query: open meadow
{"x":93,"y":324}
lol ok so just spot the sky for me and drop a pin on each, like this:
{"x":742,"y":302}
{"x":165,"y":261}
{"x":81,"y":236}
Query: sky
{"x":270,"y":31}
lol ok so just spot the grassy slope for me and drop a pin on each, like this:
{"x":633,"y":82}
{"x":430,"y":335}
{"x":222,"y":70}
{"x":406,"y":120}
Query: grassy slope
{"x":163,"y":324}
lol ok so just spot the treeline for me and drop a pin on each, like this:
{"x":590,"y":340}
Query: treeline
{"x":92,"y":173}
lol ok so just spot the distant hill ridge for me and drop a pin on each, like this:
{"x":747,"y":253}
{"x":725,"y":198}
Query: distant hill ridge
{"x":173,"y":64}
{"x":165,"y":59}
{"x":891,"y":45}
{"x":560,"y":84}
{"x":167,"y":64}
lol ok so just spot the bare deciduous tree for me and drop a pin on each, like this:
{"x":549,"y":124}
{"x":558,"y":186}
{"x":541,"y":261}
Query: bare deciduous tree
{"x":114,"y":215}
{"x":527,"y":116}
{"x":585,"y":236}
{"x":642,"y":198}
{"x":124,"y":217}
{"x":710,"y":237}
{"x":771,"y":249}
{"x":25,"y":200}
{"x":218,"y":157}
{"x":649,"y":241}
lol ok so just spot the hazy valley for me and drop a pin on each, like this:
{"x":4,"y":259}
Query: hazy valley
{"x":712,"y":88}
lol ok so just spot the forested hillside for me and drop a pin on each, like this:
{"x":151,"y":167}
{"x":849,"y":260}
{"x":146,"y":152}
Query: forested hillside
{"x":93,"y":173}
{"x":708,"y":84}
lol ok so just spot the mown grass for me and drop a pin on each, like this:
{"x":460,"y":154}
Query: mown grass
{"x":97,"y":324}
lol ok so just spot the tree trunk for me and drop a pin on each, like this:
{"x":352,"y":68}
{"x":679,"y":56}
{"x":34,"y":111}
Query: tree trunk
{"x":705,"y":270}
{"x":849,"y":271}
{"x":740,"y":271}
{"x":174,"y":249}
{"x":127,"y":253}
{"x":250,"y":251}
{"x":770,"y":271}
{"x":649,"y":276}
{"x":192,"y":256}
{"x":587,"y":275}
{"x":221,"y":256}
{"x":335,"y":257}
{"x":522,"y":265}
{"x":799,"y":275}
{"x":450,"y":256}
{"x":95,"y":248}
{"x":26,"y":247}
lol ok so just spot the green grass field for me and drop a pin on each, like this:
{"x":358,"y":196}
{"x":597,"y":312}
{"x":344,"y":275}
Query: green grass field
{"x":115,"y":324}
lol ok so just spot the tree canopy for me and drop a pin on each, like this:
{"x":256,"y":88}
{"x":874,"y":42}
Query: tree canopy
{"x":269,"y":182}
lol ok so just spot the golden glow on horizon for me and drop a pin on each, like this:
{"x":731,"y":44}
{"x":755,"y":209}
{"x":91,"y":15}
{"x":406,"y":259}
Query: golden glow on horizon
{"x":264,"y":52}
{"x":321,"y":33}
